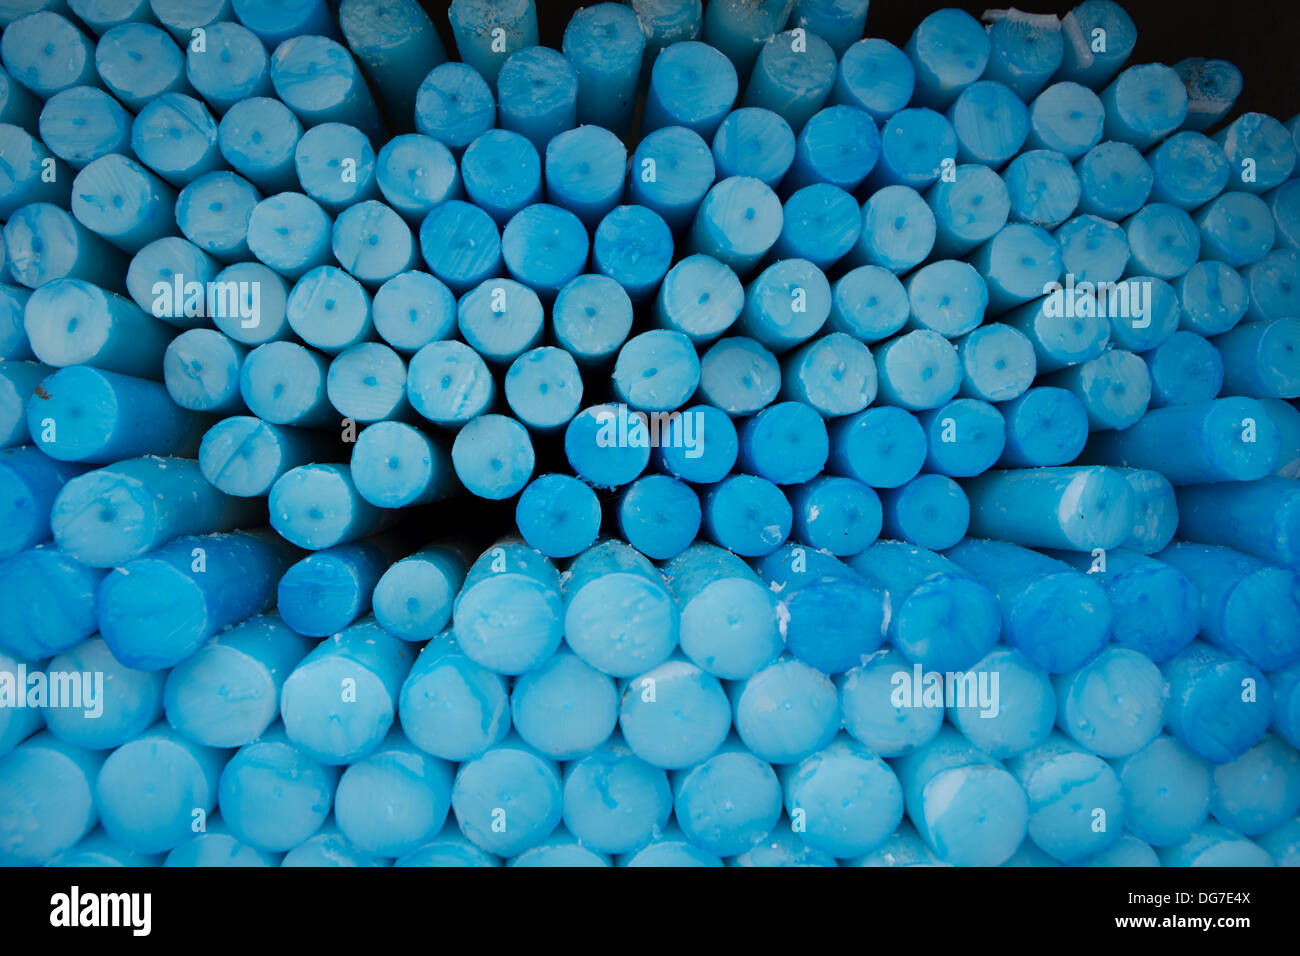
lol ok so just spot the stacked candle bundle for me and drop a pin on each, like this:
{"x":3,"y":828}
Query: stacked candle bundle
{"x":723,"y":438}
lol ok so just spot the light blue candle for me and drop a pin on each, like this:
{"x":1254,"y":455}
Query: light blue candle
{"x":273,"y":796}
{"x":785,"y":443}
{"x":883,"y":447}
{"x":147,"y":789}
{"x":48,"y":799}
{"x":129,"y":701}
{"x":213,"y":213}
{"x":870,"y":713}
{"x":904,"y":848}
{"x":1283,"y":844}
{"x":1043,"y":188}
{"x":47,"y":54}
{"x":1284,"y":204}
{"x":493,"y":457}
{"x":1114,"y":180}
{"x":472,"y":709}
{"x":781,"y":848}
{"x":412,"y":309}
{"x":1078,"y":509}
{"x":968,"y":210}
{"x":451,"y":848}
{"x":1209,"y":708}
{"x":786,"y":711}
{"x":454,"y":105}
{"x":327,"y":847}
{"x":335,"y":165}
{"x":1256,"y":517}
{"x":1256,"y":359}
{"x":737,"y":223}
{"x":614,"y":801}
{"x":792,"y":76}
{"x":558,"y":515}
{"x":565,"y":708}
{"x":821,"y":223}
{"x":666,"y":22}
{"x":689,"y":171}
{"x":83,"y":123}
{"x":502,"y":173}
{"x":947,"y":297}
{"x":1266,"y":143}
{"x":738,"y":28}
{"x":397,"y":46}
{"x":1272,"y":284}
{"x":1066,"y":117}
{"x":965,"y":437}
{"x":991,"y":124}
{"x":839,"y":827}
{"x":367,"y":383}
{"x":416,"y":173}
{"x":656,"y":371}
{"x":930,"y":511}
{"x":941,"y":617}
{"x":756,"y":142}
{"x":97,"y":850}
{"x":688,"y":455}
{"x":913,"y":146}
{"x":1236,"y":228}
{"x":729,"y":802}
{"x":591,"y":317}
{"x":1144,"y":104}
{"x":537,"y":94}
{"x":1017,"y":708}
{"x":659,"y":516}
{"x":835,"y":374}
{"x":1063,"y":826}
{"x":461,"y":245}
{"x":898,"y":232}
{"x":217,"y":846}
{"x":700,"y":298}
{"x":1063,"y":328}
{"x":1213,"y":297}
{"x":1154,"y":509}
{"x":1045,"y":426}
{"x":1115,"y":388}
{"x":510,"y":620}
{"x":18,"y":106}
{"x":1113,"y":706}
{"x":739,"y":376}
{"x":279,"y":22}
{"x":18,"y":723}
{"x":176,"y":137}
{"x":201,"y":371}
{"x":692,"y":84}
{"x":1092,"y":249}
{"x":1239,"y":802}
{"x":1286,"y":703}
{"x":488,"y":31}
{"x":689,"y":729}
{"x":544,"y":247}
{"x":123,"y":202}
{"x":18,"y":381}
{"x":213,"y":581}
{"x":839,"y":145}
{"x":967,"y":808}
{"x":251,"y":660}
{"x":1189,"y":170}
{"x":918,"y":370}
{"x":161,"y":262}
{"x":372,"y":242}
{"x":290,"y":233}
{"x":59,"y":610}
{"x":1185,"y":368}
{"x":318,"y":506}
{"x":605,"y":44}
{"x":394,"y":465}
{"x":839,"y":22}
{"x":585,"y":170}
{"x":998,"y":362}
{"x":786,"y":305}
{"x":259,"y":138}
{"x":1155,"y":812}
{"x":318,"y":79}
{"x":326,"y":591}
{"x":181,"y":17}
{"x":875,"y":76}
{"x":1287,"y":418}
{"x":32,"y":481}
{"x":618,"y":614}
{"x":138,"y":62}
{"x":747,"y":514}
{"x":1085,"y":64}
{"x":949,"y":50}
{"x":72,"y":322}
{"x":1212,"y":88}
{"x":501,"y":319}
{"x":413,"y":597}
{"x":448,"y":383}
{"x":607,"y":445}
{"x":233,"y":65}
{"x":511,"y":784}
{"x":1025,"y":49}
{"x":284,"y":384}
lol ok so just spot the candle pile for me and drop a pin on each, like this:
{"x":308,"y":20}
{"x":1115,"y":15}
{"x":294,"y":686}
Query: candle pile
{"x":725,"y":438}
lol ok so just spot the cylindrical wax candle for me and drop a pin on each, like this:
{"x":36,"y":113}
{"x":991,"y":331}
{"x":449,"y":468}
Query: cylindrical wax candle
{"x":1113,"y":706}
{"x":290,"y":233}
{"x":32,"y":481}
{"x":59,"y":608}
{"x":1072,"y":508}
{"x":1114,"y":180}
{"x":488,"y":31}
{"x":259,"y":138}
{"x":460,"y":244}
{"x":48,"y":799}
{"x":659,"y":516}
{"x":692,"y":84}
{"x":591,"y":316}
{"x":699,"y":297}
{"x":72,"y":322}
{"x":537,"y":94}
{"x":335,"y":165}
{"x":1004,"y":704}
{"x":47,"y":54}
{"x":448,"y":383}
{"x":1219,"y":705}
{"x":756,"y":142}
{"x":1236,"y":228}
{"x":454,"y":105}
{"x":508,"y":799}
{"x":1258,"y":517}
{"x":501,"y":319}
{"x":125,"y":701}
{"x":1025,"y":49}
{"x":1257,"y":358}
{"x":232,"y":66}
{"x":284,"y":384}
{"x":692,"y":725}
{"x":792,"y":76}
{"x":151,"y":282}
{"x":493,"y":457}
{"x":918,"y":370}
{"x":949,"y":50}
{"x":1213,"y":298}
{"x":397,"y":46}
{"x":1045,"y":426}
{"x":451,"y":706}
{"x":608,"y":445}
{"x":883,"y":447}
{"x":1239,"y":800}
{"x":394,"y":465}
{"x":44,"y":243}
{"x":84,"y":123}
{"x":965,"y":437}
{"x":201,"y":370}
{"x":688,"y":455}
{"x":729,"y":802}
{"x":1155,"y":812}
{"x":1189,"y":169}
{"x":879,"y":718}
{"x":565,"y":708}
{"x":123,"y":202}
{"x":820,"y":223}
{"x":413,"y":597}
{"x":415,"y":173}
{"x":689,"y":171}
{"x":1083,"y":62}
{"x":991,"y":124}
{"x":1212,"y":88}
{"x":930,"y":511}
{"x":748,"y":515}
{"x":585,"y":170}
{"x":329,"y":310}
{"x":656,"y":371}
{"x":786,"y":711}
{"x":1144,"y":104}
{"x":138,"y":62}
{"x":998,"y":363}
{"x":613,"y":800}
{"x":318,"y":506}
{"x":604,"y":44}
{"x":739,"y":376}
{"x":835,"y":374}
{"x":875,"y":76}
{"x":1017,"y":264}
{"x":634,"y":246}
{"x":176,"y":137}
{"x":509,"y":616}
{"x":1261,"y":152}
{"x":544,"y":247}
{"x":1115,"y":388}
{"x":1185,"y":368}
{"x":502,"y":173}
{"x":18,"y":382}
{"x":898,"y":230}
{"x":213,"y":213}
{"x":413,"y":309}
{"x":318,"y":79}
{"x":841,"y":146}
{"x":326,"y":591}
{"x":785,"y":443}
{"x":1093,"y":249}
{"x":737,"y":223}
{"x":558,"y":515}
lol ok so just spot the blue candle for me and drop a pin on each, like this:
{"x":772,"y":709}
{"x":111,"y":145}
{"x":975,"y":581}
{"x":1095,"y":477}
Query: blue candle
{"x":904,"y":848}
{"x":372,"y":242}
{"x":689,"y":456}
{"x":870,"y":714}
{"x":513,"y":787}
{"x":1213,"y":297}
{"x":251,"y":660}
{"x":738,"y":28}
{"x":1043,"y":188}
{"x":84,"y":123}
{"x":898,"y":232}
{"x":835,"y":374}
{"x":47,"y":54}
{"x":18,"y":106}
{"x":991,"y":124}
{"x":501,"y":319}
{"x":318,"y":79}
{"x":1115,"y":388}
{"x":394,"y":465}
{"x":1066,"y":117}
{"x":509,"y":616}
{"x":138,"y":62}
{"x":212,"y":582}
{"x":413,"y":597}
{"x":493,"y":457}
{"x":965,"y":437}
{"x":460,"y":244}
{"x":1045,"y":426}
{"x":1209,"y":709}
{"x":18,"y":380}
{"x":820,"y":223}
{"x":1113,"y":705}
{"x":1284,"y":204}
{"x":413,"y":788}
{"x":328,"y":847}
{"x":883,"y":447}
{"x":1266,"y":143}
{"x":605,"y":44}
{"x":1092,"y":249}
{"x":451,"y":848}
{"x":659,"y":516}
{"x":233,"y":66}
{"x":448,"y":383}
{"x":949,"y":50}
{"x":737,"y":223}
{"x":1025,"y":49}
{"x":273,"y":796}
{"x":488,"y":31}
{"x":1254,"y":517}
{"x":279,"y":22}
{"x":318,"y":506}
{"x":1077,"y":509}
{"x":913,"y":146}
{"x":416,"y":173}
{"x":1256,"y":359}
{"x":412,"y":309}
{"x":590,"y":318}
{"x":792,"y":76}
{"x":967,"y":808}
{"x":335,"y":165}
{"x":615,"y":802}
{"x":123,"y":202}
{"x":161,"y":262}
{"x":125,"y":704}
{"x":1114,"y":180}
{"x":397,"y":46}
{"x":182,"y":17}
{"x":1189,"y":170}
{"x":213,"y":214}
{"x":1063,"y":826}
{"x":1287,"y":418}
{"x":875,"y":76}
{"x":1212,"y":88}
{"x":930,"y":511}
{"x":656,"y":371}
{"x":1236,"y":228}
{"x":729,"y":802}
{"x":685,"y":732}
{"x":367,"y":383}
{"x":1283,"y":844}
{"x":968,"y":210}
{"x":1154,"y":508}
{"x":537,"y":94}
{"x":756,"y":142}
{"x":1063,"y":327}
{"x":1017,"y":711}
{"x":473,"y":703}
{"x":201,"y":371}
{"x":47,"y":802}
{"x":780,"y":848}
{"x":559,"y":515}
{"x":544,"y":247}
{"x":454,"y":105}
{"x":839,"y":145}
{"x":700,"y":298}
{"x":1272,"y":284}
{"x":1144,"y":104}
{"x":585,"y":169}
{"x":71,"y":322}
{"x":502,"y":173}
{"x":326,"y":591}
{"x":618,"y":614}
{"x":785,"y":443}
{"x":786,"y":305}
{"x":59,"y":609}
{"x":693,"y":85}
{"x":284,"y":384}
{"x":918,"y":370}
{"x":748,"y":515}
{"x":666,"y":22}
{"x":32,"y":481}
{"x":216,"y":846}
{"x":1239,"y":802}
{"x":290,"y":233}
{"x":565,"y":708}
{"x":176,"y":137}
{"x":259,"y":138}
{"x":1286,"y":703}
{"x":739,"y":376}
{"x":1055,"y":616}
{"x":1184,"y":369}
{"x":998,"y":362}
{"x":786,"y":712}
{"x":1083,"y":62}
{"x":1153,"y":811}
{"x":940,"y":617}
{"x":689,"y":171}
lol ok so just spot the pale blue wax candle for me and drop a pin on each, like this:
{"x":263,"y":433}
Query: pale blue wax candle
{"x":412,"y":309}
{"x":792,"y":76}
{"x":394,"y":465}
{"x":659,"y":516}
{"x":559,"y":515}
{"x":544,"y":247}
{"x":251,"y":660}
{"x":326,"y":591}
{"x":290,"y":233}
{"x":537,"y":95}
{"x":1044,"y":189}
{"x":416,"y":173}
{"x":1283,"y":844}
{"x":898,"y":232}
{"x":1018,"y":263}
{"x":1016,"y":717}
{"x":47,"y":803}
{"x":83,"y":123}
{"x":1066,"y":117}
{"x":615,"y":802}
{"x":493,"y":457}
{"x":1219,"y":704}
{"x":32,"y":481}
{"x":590,"y":318}
{"x":1114,"y":180}
{"x":1284,"y":203}
{"x":821,"y":223}
{"x":870,"y":715}
{"x":965,"y":436}
{"x":875,"y":76}
{"x":448,"y":383}
{"x":510,"y":620}
{"x":883,"y":447}
{"x":786,"y":305}
{"x":488,"y":31}
{"x":1240,"y":803}
{"x":285,"y":384}
{"x":930,"y":511}
{"x":692,"y":84}
{"x":501,"y":319}
{"x":1078,"y":509}
{"x":317,"y":506}
{"x":45,"y":243}
{"x":918,"y":370}
{"x":18,"y":382}
{"x":502,"y":173}
{"x":472,"y":709}
{"x":700,"y":298}
{"x":1025,"y":50}
{"x":835,"y":374}
{"x":1264,"y":141}
{"x":1063,"y":328}
{"x":1045,"y":426}
{"x":72,"y":322}
{"x":913,"y":146}
{"x":233,"y":65}
{"x":739,"y":27}
{"x":161,"y":262}
{"x":991,"y":124}
{"x":656,"y":371}
{"x":949,"y":50}
{"x":18,"y":723}
{"x":1063,"y":826}
{"x":1085,"y":64}
{"x":689,"y":171}
{"x":1155,"y":812}
{"x":1213,"y":297}
{"x":689,"y":729}
{"x":216,"y":846}
{"x":968,"y":210}
{"x":739,"y":376}
{"x":786,"y":711}
{"x":1113,"y":706}
{"x":47,"y":54}
{"x":1272,"y":284}
{"x":1189,"y":170}
{"x":737,"y":223}
{"x":1115,"y":388}
{"x":372,"y":242}
{"x":1257,"y":359}
{"x":413,"y":597}
{"x":524,"y":786}
{"x":1185,"y":368}
{"x":397,"y":46}
{"x":753,"y":141}
{"x":335,"y":165}
{"x":213,"y":213}
{"x":259,"y":138}
{"x":1144,"y":104}
{"x":139,"y":61}
{"x":318,"y":79}
{"x":585,"y":171}
{"x":461,"y":245}
{"x":839,"y":145}
{"x":201,"y":371}
{"x":454,"y":105}
{"x":729,"y":802}
{"x":450,"y":848}
{"x":1235,"y":228}
{"x":565,"y":708}
{"x":1212,"y":88}
{"x":605,"y":44}
{"x":781,"y":848}
{"x":904,"y":848}
{"x":176,"y":137}
{"x":59,"y":610}
{"x":123,"y":202}
{"x":1093,"y":249}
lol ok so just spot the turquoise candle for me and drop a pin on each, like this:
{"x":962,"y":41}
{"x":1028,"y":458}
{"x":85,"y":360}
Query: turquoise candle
{"x":48,"y":799}
{"x":1073,"y":508}
{"x":259,"y":139}
{"x":493,"y":457}
{"x":201,"y":371}
{"x":1093,"y":249}
{"x":727,"y":803}
{"x":1264,"y":141}
{"x":1185,"y":368}
{"x":590,"y":318}
{"x":47,"y":54}
{"x":883,"y":447}
{"x":875,"y":76}
{"x":1025,"y":49}
{"x":18,"y":723}
{"x":739,"y":376}
{"x":454,"y":105}
{"x":737,"y":223}
{"x":284,"y":384}
{"x":949,"y":50}
{"x":585,"y":170}
{"x":656,"y":371}
{"x":1287,"y":418}
{"x":1212,"y":88}
{"x":748,"y":515}
{"x":947,"y":297}
{"x":605,"y":44}
{"x":502,"y":173}
{"x":1271,"y":283}
{"x":792,"y":76}
{"x":786,"y":305}
{"x":1081,"y":63}
{"x":756,"y":142}
{"x":72,"y":322}
{"x":510,"y":620}
{"x":139,"y":61}
{"x":1063,"y":328}
{"x":700,"y":298}
{"x":162,"y":261}
{"x":317,"y":506}
{"x":59,"y":610}
{"x":18,"y":380}
{"x":1256,"y":359}
{"x":397,"y":45}
{"x":416,"y":173}
{"x":1236,"y":228}
{"x":1213,"y":297}
{"x":412,"y":309}
{"x":234,"y":65}
{"x":838,"y":145}
{"x":372,"y":242}
{"x":513,"y":778}
{"x":367,"y":383}
{"x":898,"y":231}
{"x":1256,"y":517}
{"x":251,"y":660}
{"x":835,"y":374}
{"x":968,"y":210}
{"x":559,"y":515}
{"x":413,"y":597}
{"x":448,"y":383}
{"x":44,"y":243}
{"x":394,"y":465}
{"x":785,"y":443}
{"x":1045,"y":426}
{"x":689,"y":456}
{"x":689,"y":729}
{"x":537,"y":94}
{"x":965,"y":436}
{"x":689,"y":172}
{"x":176,"y":137}
{"x":451,"y":848}
{"x":1066,"y":117}
{"x":786,"y":711}
{"x":1114,"y":180}
{"x":130,"y":701}
{"x":1113,"y":706}
{"x":123,"y":202}
{"x":1144,"y":104}
{"x":318,"y":79}
{"x":500,"y":319}
{"x":615,"y":802}
{"x":487,"y":32}
{"x":1209,"y":709}
{"x":659,"y":516}
{"x":1115,"y":388}
{"x":1239,"y":802}
{"x":998,"y":362}
{"x":836,"y":826}
{"x":326,"y":591}
{"x":565,"y":708}
{"x":913,"y":146}
{"x":335,"y":165}
{"x":930,"y":511}
{"x":693,"y":85}
{"x":780,"y":848}
{"x":544,"y":247}
{"x":1016,"y":714}
{"x":1044,"y":189}
{"x":83,"y":123}
{"x":216,"y":846}
{"x":32,"y":482}
{"x":870,"y":715}
{"x":821,"y":223}
{"x":213,"y":213}
{"x":991,"y":123}
{"x":1153,"y":811}
{"x":290,"y":233}
{"x":1189,"y":170}
{"x":473,"y":705}
{"x":461,"y":245}
{"x":918,"y":370}
{"x":1062,"y":826}
{"x":739,"y":28}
